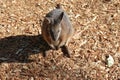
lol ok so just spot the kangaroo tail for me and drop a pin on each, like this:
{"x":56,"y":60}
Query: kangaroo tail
{"x":58,"y":6}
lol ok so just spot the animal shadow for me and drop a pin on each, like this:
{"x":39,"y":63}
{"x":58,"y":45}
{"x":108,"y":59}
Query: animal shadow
{"x":18,"y":48}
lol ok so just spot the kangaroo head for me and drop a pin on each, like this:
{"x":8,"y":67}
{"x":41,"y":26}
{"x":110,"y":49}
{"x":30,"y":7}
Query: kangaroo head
{"x":54,"y":27}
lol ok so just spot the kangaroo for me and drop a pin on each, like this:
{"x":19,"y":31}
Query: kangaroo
{"x":57,"y":29}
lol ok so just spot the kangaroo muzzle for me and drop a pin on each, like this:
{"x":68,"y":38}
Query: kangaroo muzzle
{"x":53,"y":36}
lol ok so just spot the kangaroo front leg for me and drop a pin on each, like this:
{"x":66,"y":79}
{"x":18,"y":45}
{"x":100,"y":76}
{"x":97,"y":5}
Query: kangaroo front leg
{"x":65,"y":51}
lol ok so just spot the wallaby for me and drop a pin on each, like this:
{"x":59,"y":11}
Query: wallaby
{"x":57,"y":29}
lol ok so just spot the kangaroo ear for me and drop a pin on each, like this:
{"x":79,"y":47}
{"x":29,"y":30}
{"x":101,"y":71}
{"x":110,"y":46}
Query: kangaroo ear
{"x":61,"y":16}
{"x":58,"y":20}
{"x":47,"y":20}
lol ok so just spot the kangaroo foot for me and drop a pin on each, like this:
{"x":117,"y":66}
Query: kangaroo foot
{"x":65,"y":51}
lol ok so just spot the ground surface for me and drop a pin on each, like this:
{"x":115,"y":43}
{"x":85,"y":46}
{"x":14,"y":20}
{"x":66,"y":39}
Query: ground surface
{"x":97,"y":34}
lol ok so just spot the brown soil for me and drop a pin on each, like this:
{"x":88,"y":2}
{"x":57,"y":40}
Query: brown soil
{"x":97,"y":34}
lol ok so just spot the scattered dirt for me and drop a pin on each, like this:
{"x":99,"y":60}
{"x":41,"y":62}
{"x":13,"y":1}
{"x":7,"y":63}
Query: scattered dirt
{"x":97,"y":34}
